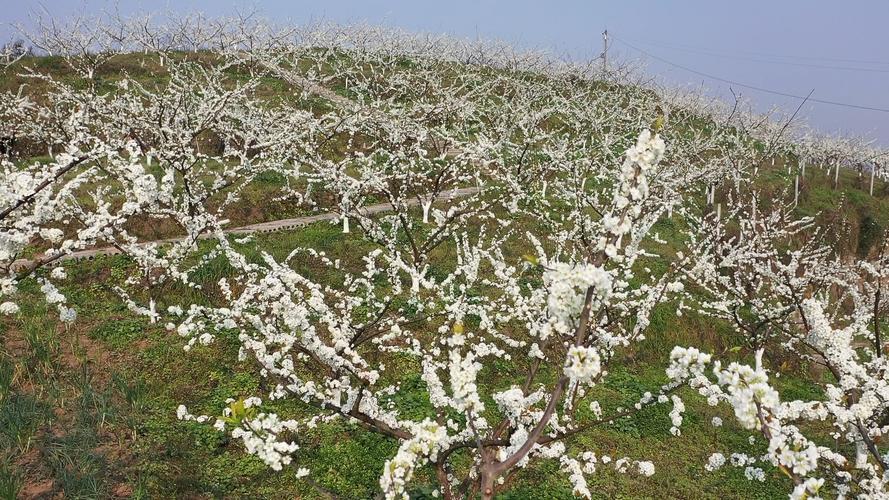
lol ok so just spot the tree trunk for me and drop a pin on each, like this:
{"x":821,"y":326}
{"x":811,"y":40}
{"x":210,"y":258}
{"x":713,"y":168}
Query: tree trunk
{"x":488,"y":478}
{"x":426,"y":206}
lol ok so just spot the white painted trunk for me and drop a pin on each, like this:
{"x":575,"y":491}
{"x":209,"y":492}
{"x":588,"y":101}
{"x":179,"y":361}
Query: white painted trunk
{"x":796,"y":191}
{"x":544,"y":189}
{"x":861,"y":453}
{"x":426,"y":206}
{"x":415,"y":282}
{"x":873,"y":171}
{"x":345,"y":224}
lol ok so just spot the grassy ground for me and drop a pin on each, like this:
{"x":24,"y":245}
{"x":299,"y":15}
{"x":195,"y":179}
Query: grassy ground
{"x":88,"y":411}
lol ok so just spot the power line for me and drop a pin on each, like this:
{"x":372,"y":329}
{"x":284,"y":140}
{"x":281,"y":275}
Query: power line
{"x":744,"y":85}
{"x":753,"y":59}
{"x":765,"y":54}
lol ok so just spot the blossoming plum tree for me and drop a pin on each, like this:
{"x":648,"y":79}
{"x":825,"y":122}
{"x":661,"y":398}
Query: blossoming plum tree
{"x":787,"y":295}
{"x":510,"y":266}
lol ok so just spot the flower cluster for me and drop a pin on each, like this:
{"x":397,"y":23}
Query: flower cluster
{"x":582,"y":364}
{"x":585,"y":464}
{"x":428,"y":439}
{"x":260,"y":437}
{"x":259,"y":432}
{"x":749,"y":392}
{"x":567,"y":285}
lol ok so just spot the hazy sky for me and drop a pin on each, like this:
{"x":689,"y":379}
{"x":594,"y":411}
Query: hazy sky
{"x":838,"y":48}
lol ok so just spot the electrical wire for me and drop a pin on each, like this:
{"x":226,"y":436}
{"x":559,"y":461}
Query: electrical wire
{"x":764,"y":54}
{"x":744,"y":85}
{"x":753,"y":59}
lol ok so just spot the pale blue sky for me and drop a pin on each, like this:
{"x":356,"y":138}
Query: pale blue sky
{"x":838,"y":48}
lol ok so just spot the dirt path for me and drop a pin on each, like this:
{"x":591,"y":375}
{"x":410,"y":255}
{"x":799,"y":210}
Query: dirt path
{"x":261,"y":227}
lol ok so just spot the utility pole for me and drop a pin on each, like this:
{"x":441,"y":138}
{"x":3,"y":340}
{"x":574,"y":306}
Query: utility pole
{"x":605,"y":50}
